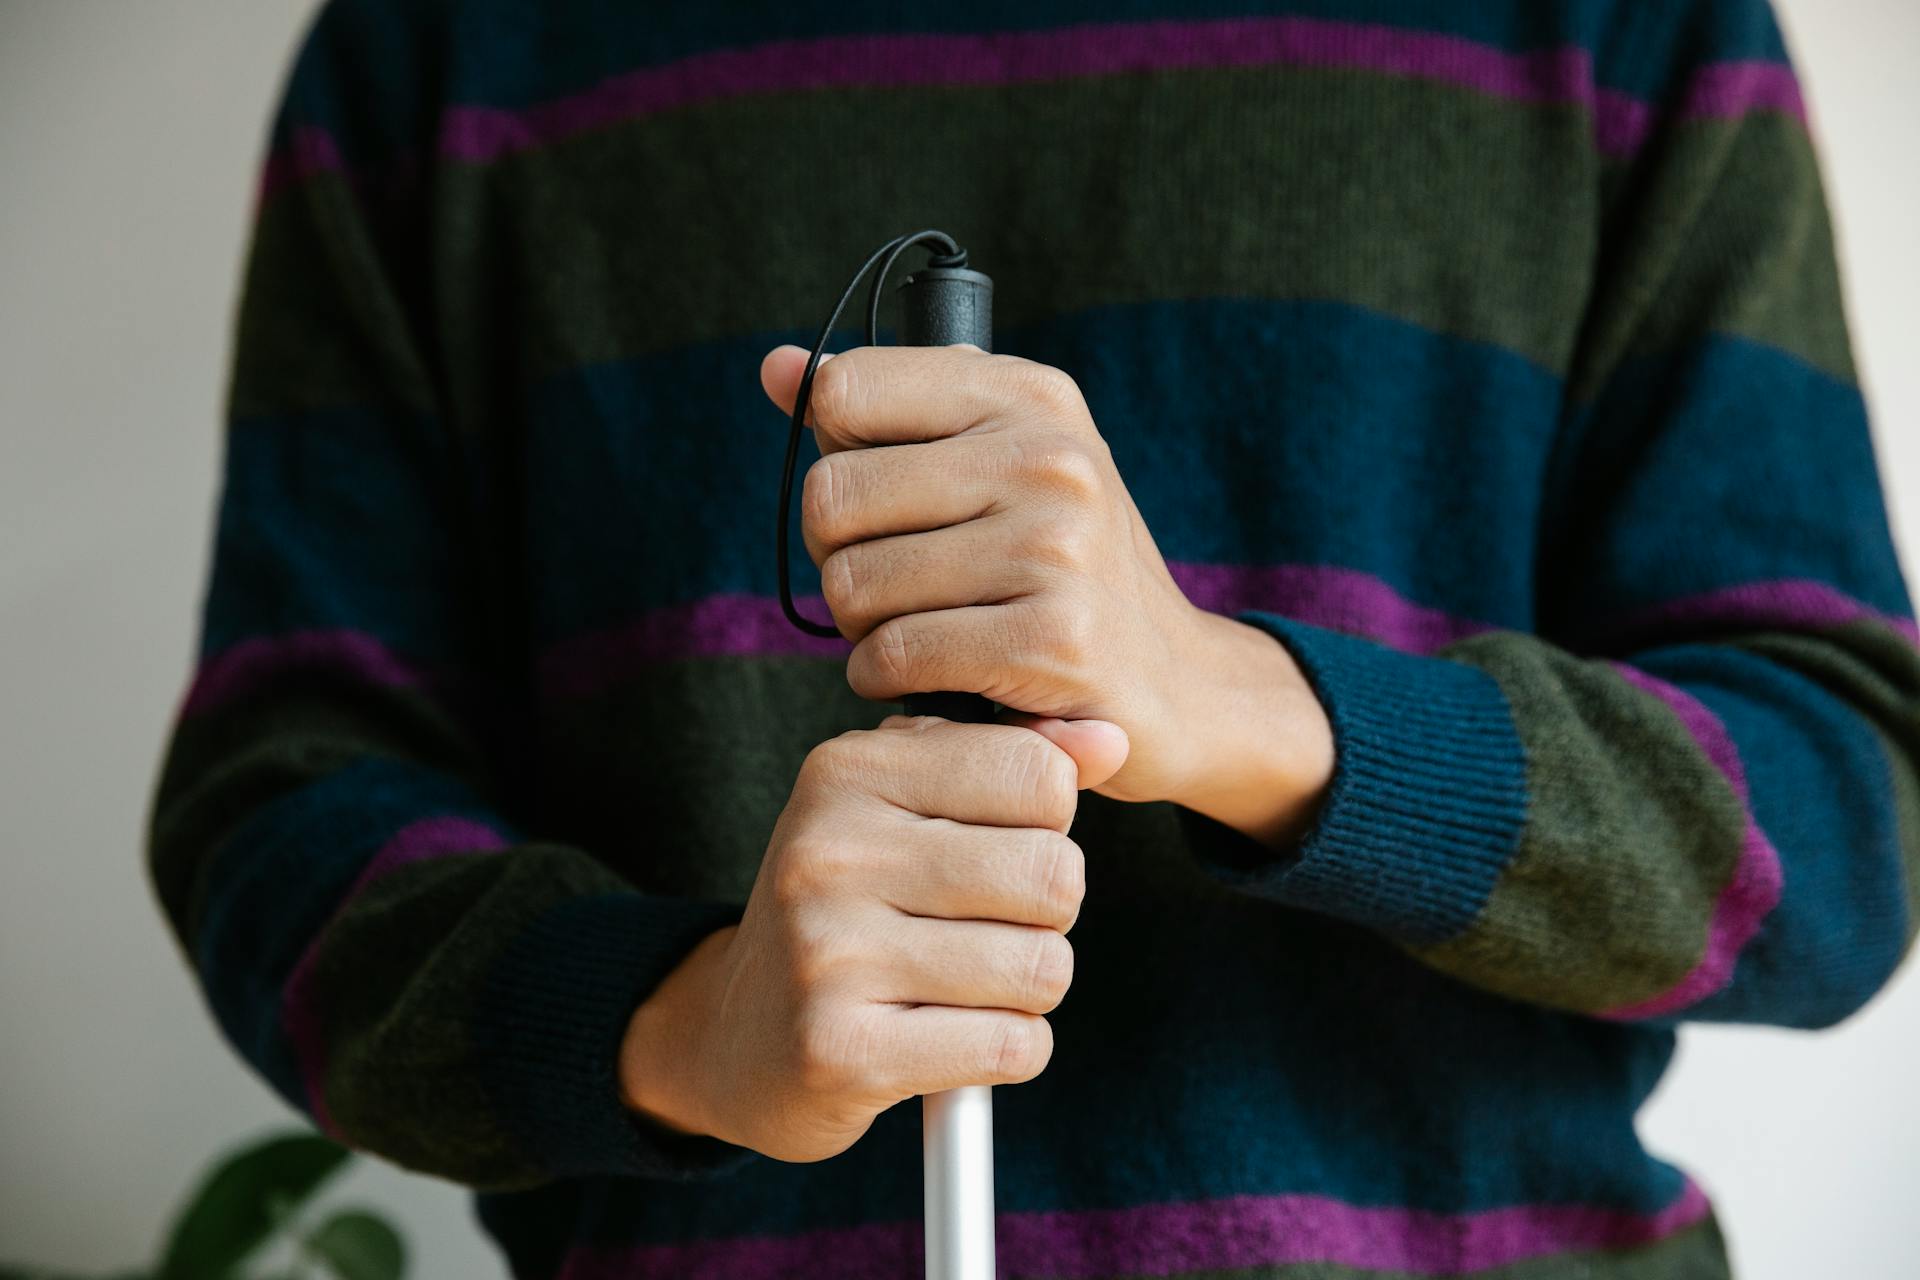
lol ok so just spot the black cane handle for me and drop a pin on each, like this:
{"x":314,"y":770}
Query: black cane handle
{"x":941,"y":306}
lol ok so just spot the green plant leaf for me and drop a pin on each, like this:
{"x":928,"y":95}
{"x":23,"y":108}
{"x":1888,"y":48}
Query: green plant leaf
{"x":36,"y":1273}
{"x":244,"y":1201}
{"x":359,"y":1246}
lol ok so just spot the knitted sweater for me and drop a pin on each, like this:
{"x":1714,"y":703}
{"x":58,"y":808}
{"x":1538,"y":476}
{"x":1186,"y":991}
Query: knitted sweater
{"x":1490,"y":357}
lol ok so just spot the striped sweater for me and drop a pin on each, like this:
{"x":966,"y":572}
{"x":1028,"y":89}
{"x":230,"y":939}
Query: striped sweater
{"x":1488,"y":356}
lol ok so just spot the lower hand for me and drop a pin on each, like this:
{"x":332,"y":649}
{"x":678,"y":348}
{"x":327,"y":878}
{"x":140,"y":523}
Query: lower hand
{"x":906,"y":934}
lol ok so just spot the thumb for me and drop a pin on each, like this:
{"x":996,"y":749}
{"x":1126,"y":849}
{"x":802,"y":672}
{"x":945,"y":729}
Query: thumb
{"x":780,"y":372}
{"x":1098,"y":747}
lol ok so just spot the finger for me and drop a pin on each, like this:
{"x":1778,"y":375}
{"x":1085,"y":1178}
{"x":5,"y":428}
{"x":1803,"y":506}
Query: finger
{"x":897,"y":395}
{"x":979,"y":774}
{"x":1098,"y":747}
{"x":938,"y":1047}
{"x":854,"y":495}
{"x":977,"y":964}
{"x":781,"y":370}
{"x":973,"y":563}
{"x":1006,"y":652}
{"x":956,"y":871}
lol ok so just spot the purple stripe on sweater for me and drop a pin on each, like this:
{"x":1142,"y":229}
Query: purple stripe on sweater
{"x":479,"y":134}
{"x":311,"y":151}
{"x":1172,"y":1239}
{"x":299,"y":1008}
{"x":1620,"y":123}
{"x":1325,"y":595}
{"x":250,"y":664}
{"x":717,"y":626}
{"x":1726,"y":89}
{"x":1718,"y":91}
{"x":1779,"y":602}
{"x":1751,"y":891}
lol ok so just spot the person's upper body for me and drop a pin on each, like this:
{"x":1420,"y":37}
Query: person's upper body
{"x":1485,"y":362}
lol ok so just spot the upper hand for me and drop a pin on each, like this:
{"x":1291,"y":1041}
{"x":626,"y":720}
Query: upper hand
{"x":995,"y":550}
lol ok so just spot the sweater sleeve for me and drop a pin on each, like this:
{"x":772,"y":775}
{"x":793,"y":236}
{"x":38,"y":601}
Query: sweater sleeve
{"x":333,"y":837}
{"x":1692,"y":792}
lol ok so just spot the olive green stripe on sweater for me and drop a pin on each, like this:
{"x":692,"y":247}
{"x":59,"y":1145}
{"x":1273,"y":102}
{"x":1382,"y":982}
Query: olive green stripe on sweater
{"x":1723,"y":232}
{"x":1375,"y":240}
{"x":873,"y":161}
{"x":396,"y":976}
{"x":1624,"y":853}
{"x":758,"y":718}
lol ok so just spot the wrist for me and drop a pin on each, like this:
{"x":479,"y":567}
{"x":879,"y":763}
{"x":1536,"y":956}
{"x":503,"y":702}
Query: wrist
{"x":660,"y":1051}
{"x":1262,"y":746}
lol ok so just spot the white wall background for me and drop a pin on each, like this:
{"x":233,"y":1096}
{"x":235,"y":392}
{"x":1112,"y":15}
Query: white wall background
{"x":129,"y":135}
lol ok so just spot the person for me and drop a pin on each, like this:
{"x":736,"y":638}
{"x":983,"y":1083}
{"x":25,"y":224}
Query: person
{"x":1419,"y":521}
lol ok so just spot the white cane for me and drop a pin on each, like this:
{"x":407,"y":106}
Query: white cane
{"x":941,"y":305}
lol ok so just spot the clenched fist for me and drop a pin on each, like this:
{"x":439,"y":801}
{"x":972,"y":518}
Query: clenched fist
{"x":906,"y":933}
{"x":992,"y":547}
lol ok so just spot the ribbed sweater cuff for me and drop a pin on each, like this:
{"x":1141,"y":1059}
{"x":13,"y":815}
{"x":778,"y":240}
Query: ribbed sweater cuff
{"x":552,"y":1015}
{"x":1427,"y":800}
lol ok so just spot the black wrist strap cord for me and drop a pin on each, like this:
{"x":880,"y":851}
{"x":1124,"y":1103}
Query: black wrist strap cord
{"x":947,"y":270}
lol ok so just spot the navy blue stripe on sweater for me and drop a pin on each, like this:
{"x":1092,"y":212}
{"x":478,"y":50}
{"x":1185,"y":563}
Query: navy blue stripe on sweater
{"x":1843,"y":917}
{"x":1347,"y":391}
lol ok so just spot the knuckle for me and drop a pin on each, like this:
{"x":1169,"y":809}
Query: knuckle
{"x":840,"y":584}
{"x":1007,"y":1049}
{"x":1046,"y":776}
{"x":821,"y":491}
{"x":1073,"y":471}
{"x":1049,"y":970}
{"x":891,"y":657}
{"x":1061,"y":541}
{"x":1052,"y":386}
{"x":836,"y":391}
{"x":1061,"y":878}
{"x":835,"y":762}
{"x":1059,"y":461}
{"x":1018,"y":1049}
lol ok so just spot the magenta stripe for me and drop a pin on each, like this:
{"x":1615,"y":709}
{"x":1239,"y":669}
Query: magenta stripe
{"x":250,"y":664}
{"x":738,"y":624}
{"x":1325,"y":595}
{"x":1173,"y":1239}
{"x":1779,"y":602}
{"x":1620,"y":123}
{"x":1718,"y":91}
{"x":477,"y":134}
{"x":311,"y":151}
{"x":1727,"y":89}
{"x":480,"y":134}
{"x":1751,"y":891}
{"x":717,"y":626}
{"x":299,"y":1007}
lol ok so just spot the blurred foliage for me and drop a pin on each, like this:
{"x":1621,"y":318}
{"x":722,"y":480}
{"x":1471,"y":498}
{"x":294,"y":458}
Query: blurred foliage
{"x":253,"y":1201}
